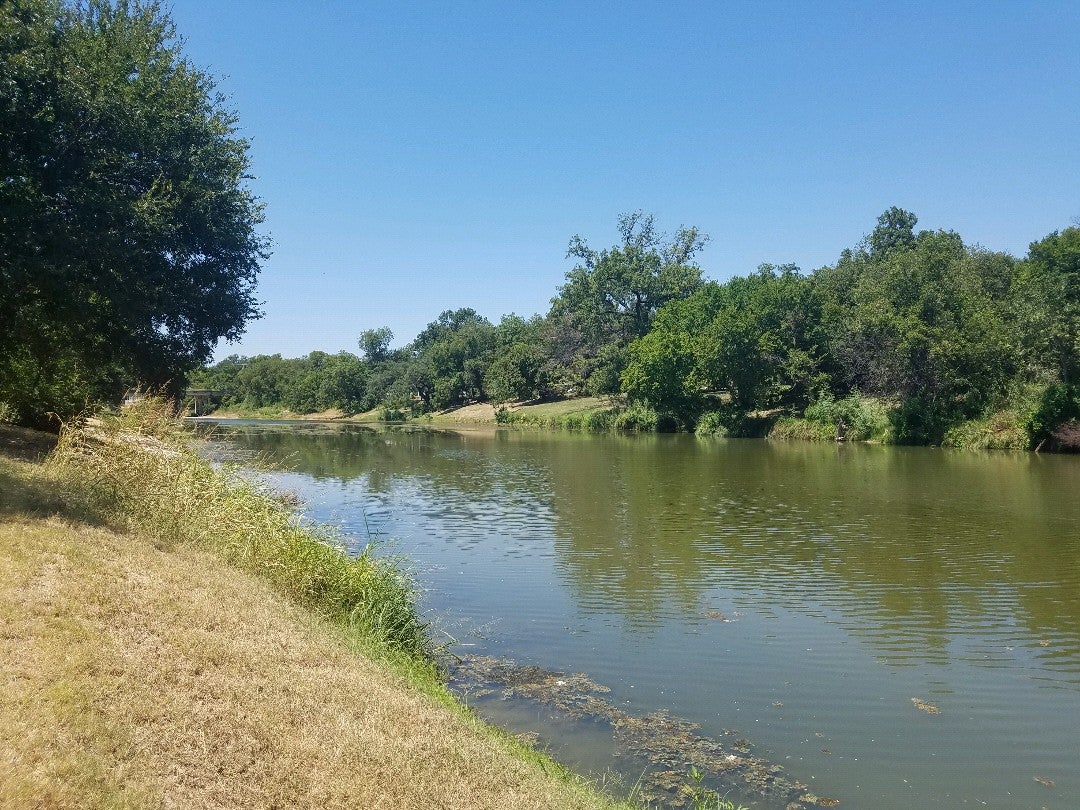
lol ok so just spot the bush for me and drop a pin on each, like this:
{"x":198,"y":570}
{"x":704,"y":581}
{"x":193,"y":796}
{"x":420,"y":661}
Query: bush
{"x":638,"y":416}
{"x":1051,"y":408}
{"x":923,"y":420}
{"x":999,"y":431}
{"x":598,"y":421}
{"x":790,"y":427}
{"x":734,"y":423}
{"x":711,"y":423}
{"x":863,"y":418}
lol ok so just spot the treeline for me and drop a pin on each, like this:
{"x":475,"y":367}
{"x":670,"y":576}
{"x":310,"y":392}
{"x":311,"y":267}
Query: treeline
{"x":910,"y":337}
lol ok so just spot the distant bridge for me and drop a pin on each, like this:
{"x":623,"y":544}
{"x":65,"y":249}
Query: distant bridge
{"x":203,"y":396}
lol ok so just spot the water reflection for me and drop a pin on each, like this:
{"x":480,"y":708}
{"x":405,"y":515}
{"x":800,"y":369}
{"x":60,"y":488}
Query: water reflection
{"x":908,"y":547}
{"x":856,"y":579}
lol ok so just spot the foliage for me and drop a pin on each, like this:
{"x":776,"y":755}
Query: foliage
{"x":316,"y":382}
{"x":375,"y":344}
{"x":755,"y":339}
{"x":911,"y":337}
{"x":1051,"y":281}
{"x":731,"y":421}
{"x":520,"y":369}
{"x":923,"y":320}
{"x":448,"y":359}
{"x":855,"y":417}
{"x":793,"y":428}
{"x":999,"y":431}
{"x":128,"y":244}
{"x":611,"y":296}
{"x":1055,"y":405}
{"x":638,"y":417}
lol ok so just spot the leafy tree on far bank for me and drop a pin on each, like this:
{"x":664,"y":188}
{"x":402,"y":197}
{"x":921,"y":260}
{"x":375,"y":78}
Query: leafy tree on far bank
{"x":754,"y":339}
{"x":520,"y":368}
{"x":611,"y":296}
{"x":923,"y":323}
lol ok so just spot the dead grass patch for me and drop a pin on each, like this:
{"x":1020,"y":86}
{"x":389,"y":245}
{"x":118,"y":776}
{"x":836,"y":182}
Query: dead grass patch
{"x":141,"y":677}
{"x":141,"y":669}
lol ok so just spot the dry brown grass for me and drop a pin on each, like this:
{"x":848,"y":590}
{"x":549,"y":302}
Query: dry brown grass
{"x":141,"y":676}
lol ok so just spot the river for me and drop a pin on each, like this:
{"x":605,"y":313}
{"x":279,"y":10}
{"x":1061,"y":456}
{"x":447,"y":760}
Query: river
{"x":895,"y":627}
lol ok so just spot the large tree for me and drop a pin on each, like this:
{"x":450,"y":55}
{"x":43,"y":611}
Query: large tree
{"x":611,"y":296}
{"x":128,"y":236}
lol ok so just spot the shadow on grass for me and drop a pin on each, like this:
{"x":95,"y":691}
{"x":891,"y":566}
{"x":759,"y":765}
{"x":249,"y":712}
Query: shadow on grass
{"x":25,"y":444}
{"x":25,"y":489}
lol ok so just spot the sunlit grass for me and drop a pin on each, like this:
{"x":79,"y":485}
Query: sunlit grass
{"x":138,"y":469}
{"x":143,"y":670}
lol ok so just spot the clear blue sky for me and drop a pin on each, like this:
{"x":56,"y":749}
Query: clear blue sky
{"x":421,"y":157}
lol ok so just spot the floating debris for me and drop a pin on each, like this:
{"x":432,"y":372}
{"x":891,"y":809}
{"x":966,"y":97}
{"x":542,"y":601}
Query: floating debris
{"x":1044,"y":643}
{"x":778,"y":704}
{"x":1042,"y":780}
{"x":820,"y":801}
{"x":673,"y":747}
{"x":922,"y":705}
{"x":716,"y":614}
{"x":528,"y":738}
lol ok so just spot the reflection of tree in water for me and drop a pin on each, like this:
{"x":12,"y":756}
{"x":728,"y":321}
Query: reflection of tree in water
{"x":442,"y":459}
{"x":907,"y":548}
{"x":624,"y":544}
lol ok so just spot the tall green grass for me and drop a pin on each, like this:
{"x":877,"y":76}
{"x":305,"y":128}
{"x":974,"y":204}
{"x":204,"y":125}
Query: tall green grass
{"x":139,"y":469}
{"x":588,"y":420}
{"x":1002,"y":430}
{"x":863,"y":419}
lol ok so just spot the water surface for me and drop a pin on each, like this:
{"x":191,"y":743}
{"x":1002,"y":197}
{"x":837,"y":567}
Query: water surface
{"x":797,"y":595}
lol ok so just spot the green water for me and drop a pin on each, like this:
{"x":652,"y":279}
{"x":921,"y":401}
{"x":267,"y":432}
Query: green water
{"x":797,"y":595}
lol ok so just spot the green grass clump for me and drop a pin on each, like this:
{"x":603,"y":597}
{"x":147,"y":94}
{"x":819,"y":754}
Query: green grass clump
{"x":139,"y":469}
{"x":999,"y":431}
{"x":793,"y":428}
{"x":864,"y":419}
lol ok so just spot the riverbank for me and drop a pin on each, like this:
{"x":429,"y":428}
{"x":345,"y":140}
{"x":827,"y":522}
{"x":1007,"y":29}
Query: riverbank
{"x":148,"y":664}
{"x":561,"y":413}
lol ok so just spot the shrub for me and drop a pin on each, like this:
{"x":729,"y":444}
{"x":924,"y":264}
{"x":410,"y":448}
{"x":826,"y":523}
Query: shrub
{"x":597,"y":421}
{"x":1050,"y":408}
{"x":864,"y":418}
{"x":790,"y":427}
{"x":999,"y":431}
{"x":638,"y":416}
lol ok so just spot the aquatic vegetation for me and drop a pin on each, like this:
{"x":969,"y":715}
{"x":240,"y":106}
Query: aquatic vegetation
{"x":922,"y":705}
{"x":680,"y":759}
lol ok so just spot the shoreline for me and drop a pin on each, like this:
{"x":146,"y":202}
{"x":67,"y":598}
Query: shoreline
{"x":566,"y":415}
{"x":153,"y":670}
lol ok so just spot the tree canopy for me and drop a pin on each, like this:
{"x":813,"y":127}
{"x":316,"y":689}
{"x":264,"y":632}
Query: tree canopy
{"x":128,"y":240}
{"x":908,"y":337}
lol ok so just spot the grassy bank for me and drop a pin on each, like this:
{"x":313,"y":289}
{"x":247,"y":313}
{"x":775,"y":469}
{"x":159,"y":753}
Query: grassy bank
{"x":174,"y":635}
